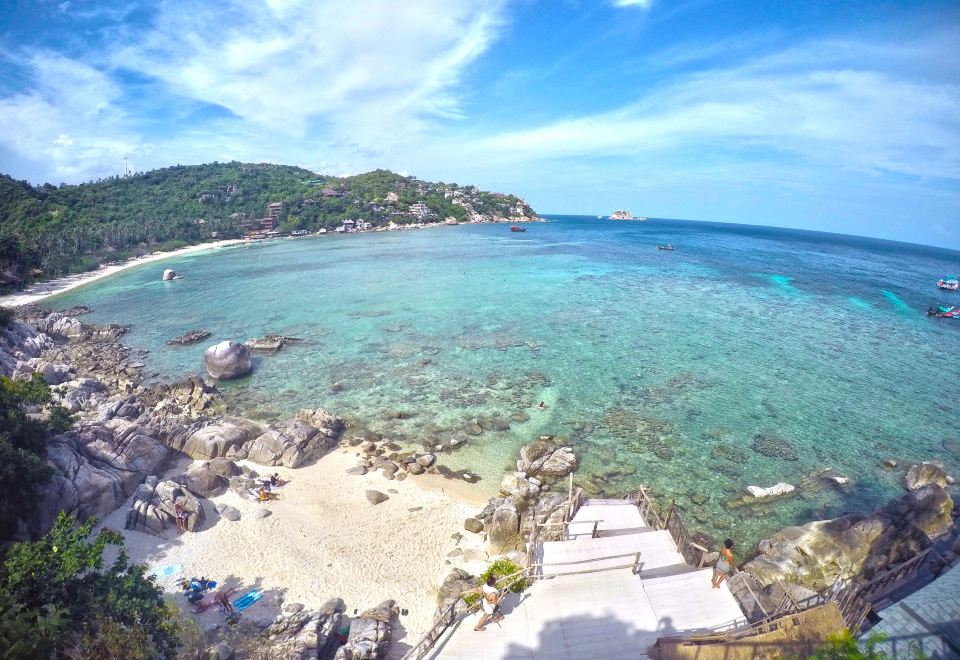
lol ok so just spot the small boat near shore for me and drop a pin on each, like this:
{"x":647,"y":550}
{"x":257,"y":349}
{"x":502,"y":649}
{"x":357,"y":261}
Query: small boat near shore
{"x":517,"y":228}
{"x":668,"y":247}
{"x":945,"y":311}
{"x":949,"y":283}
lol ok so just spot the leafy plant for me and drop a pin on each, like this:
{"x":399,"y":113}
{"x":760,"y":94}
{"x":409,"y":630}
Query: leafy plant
{"x":500,"y":569}
{"x":57,"y":597}
{"x":843,"y":646}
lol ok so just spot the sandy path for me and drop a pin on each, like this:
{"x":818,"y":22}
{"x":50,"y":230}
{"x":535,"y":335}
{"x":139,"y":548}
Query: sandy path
{"x":323,"y":540}
{"x":43,"y":290}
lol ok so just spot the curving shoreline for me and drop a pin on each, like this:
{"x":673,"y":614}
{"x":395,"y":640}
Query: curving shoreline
{"x":43,"y":290}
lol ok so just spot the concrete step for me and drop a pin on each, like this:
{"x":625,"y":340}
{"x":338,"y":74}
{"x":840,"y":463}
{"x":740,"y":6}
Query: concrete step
{"x":656,"y":549}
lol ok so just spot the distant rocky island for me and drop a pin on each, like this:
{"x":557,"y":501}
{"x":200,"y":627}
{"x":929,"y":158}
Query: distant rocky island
{"x":49,"y":231}
{"x":625,"y":215}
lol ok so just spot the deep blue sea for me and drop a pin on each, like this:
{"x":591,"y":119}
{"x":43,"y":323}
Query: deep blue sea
{"x":747,"y":356}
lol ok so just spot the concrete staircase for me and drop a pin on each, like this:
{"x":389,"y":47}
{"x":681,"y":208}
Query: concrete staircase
{"x":594,"y":599}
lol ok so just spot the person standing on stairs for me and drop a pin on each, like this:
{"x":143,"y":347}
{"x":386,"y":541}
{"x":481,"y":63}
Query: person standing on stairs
{"x":490,"y":601}
{"x":724,"y":566}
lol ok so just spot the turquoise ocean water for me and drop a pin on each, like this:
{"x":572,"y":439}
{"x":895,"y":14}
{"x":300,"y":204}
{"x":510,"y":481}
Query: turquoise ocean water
{"x":747,"y":356}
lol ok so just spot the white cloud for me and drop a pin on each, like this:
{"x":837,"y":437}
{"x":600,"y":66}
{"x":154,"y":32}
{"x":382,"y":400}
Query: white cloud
{"x":845,"y":118}
{"x":642,"y":4}
{"x":67,"y":95}
{"x":371,"y":70}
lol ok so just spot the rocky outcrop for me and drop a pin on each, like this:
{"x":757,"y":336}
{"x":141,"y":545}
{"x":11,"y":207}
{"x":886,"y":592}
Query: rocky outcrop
{"x":228,"y":359}
{"x":216,"y":440}
{"x":457,"y":583}
{"x":924,"y":474}
{"x":293,"y":442}
{"x":369,"y":636}
{"x":20,"y":342}
{"x":854,"y":546}
{"x":203,"y":481}
{"x":154,"y":507}
{"x":545,"y":458}
{"x":187,"y":338}
{"x":59,"y":326}
{"x":300,"y":634}
{"x":270,"y":343}
{"x":504,"y":525}
{"x":327,"y":423}
{"x":96,"y":466}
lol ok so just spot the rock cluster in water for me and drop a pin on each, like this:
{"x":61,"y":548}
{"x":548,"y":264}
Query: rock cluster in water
{"x":191,"y":337}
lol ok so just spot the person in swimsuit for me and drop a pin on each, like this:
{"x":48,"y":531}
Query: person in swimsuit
{"x":181,"y":518}
{"x":490,"y":603}
{"x":724,"y":566}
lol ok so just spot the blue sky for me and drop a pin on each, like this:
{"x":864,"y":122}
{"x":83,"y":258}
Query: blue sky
{"x":827,"y":115}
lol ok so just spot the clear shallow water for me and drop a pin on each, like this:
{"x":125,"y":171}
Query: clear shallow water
{"x":662,"y":368}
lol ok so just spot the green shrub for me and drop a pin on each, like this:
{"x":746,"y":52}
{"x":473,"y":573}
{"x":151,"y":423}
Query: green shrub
{"x":173,"y":244}
{"x":59,"y":598}
{"x":843,"y":646}
{"x":500,"y":569}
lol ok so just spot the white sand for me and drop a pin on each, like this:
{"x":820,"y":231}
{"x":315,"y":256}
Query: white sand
{"x":43,"y":290}
{"x":323,"y":539}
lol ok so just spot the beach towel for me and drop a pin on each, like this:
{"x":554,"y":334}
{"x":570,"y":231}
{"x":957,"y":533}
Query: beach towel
{"x":169,"y":576}
{"x":246,"y":600}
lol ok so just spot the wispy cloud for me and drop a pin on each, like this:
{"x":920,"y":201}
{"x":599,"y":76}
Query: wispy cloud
{"x":642,"y":4}
{"x":68,"y":123}
{"x":853,"y":118}
{"x":370,"y":68}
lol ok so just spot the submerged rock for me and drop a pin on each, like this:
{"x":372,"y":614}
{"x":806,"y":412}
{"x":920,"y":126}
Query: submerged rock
{"x":773,"y":446}
{"x":777,"y":490}
{"x":191,"y":337}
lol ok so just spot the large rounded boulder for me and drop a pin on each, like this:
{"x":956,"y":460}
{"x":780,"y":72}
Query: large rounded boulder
{"x":228,"y":359}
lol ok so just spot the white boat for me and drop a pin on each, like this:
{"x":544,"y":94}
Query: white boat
{"x":950,"y":283}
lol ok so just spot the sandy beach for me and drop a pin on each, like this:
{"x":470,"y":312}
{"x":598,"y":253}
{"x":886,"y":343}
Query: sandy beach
{"x":323,"y":539}
{"x":42,"y":290}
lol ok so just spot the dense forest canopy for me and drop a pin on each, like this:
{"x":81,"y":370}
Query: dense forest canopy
{"x":47,"y":231}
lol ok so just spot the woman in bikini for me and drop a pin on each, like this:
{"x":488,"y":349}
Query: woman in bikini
{"x":724,"y":566}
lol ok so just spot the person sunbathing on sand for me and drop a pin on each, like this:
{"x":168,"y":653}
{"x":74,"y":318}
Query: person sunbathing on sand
{"x":221,"y":598}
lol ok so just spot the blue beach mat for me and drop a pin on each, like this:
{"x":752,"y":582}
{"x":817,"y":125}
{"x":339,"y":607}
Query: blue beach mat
{"x":246,"y":600}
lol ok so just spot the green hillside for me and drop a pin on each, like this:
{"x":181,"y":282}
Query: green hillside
{"x":48,"y":231}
